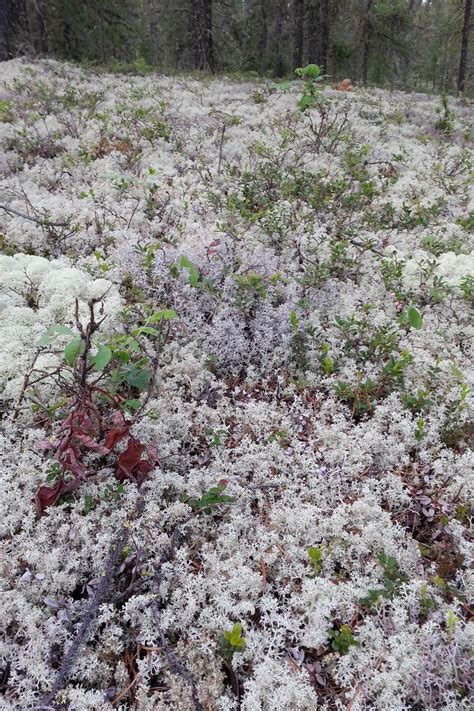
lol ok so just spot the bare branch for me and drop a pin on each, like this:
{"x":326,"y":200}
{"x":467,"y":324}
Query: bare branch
{"x":38,"y":221}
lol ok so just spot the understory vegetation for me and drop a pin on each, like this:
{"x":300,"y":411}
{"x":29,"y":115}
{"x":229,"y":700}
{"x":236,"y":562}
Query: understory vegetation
{"x":236,"y":346}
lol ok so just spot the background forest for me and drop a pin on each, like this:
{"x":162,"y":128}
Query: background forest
{"x":413,"y":44}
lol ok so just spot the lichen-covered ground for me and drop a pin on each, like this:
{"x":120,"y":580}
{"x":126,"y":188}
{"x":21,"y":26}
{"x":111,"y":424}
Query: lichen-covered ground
{"x":273,"y":425}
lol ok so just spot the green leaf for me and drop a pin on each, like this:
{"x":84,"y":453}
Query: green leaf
{"x":163,"y":314}
{"x":145,"y":329}
{"x":193,"y":274}
{"x":414,"y":318}
{"x":294,"y":321}
{"x":305,"y":101}
{"x":315,"y":554}
{"x":102,"y":358}
{"x":132,"y":405}
{"x":235,"y":638}
{"x":138,"y":377}
{"x":74,"y":348}
{"x":52,"y":333}
{"x":312,"y":71}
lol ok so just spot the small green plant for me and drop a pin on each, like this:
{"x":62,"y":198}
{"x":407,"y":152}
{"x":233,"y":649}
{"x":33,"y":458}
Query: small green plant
{"x":299,"y":344}
{"x":420,"y":429}
{"x":392,"y":578}
{"x":455,"y":427}
{"x":250,"y":287}
{"x":467,"y":221}
{"x":231,"y":642}
{"x":451,"y":623}
{"x":312,"y":76}
{"x":281,"y":437}
{"x":315,"y":555}
{"x":420,"y":402}
{"x":445,"y":122}
{"x":7,"y":114}
{"x":414,"y":317}
{"x":426,"y":601}
{"x":193,"y":273}
{"x":113,"y":493}
{"x":140,"y":66}
{"x":210,"y":499}
{"x":54,"y":472}
{"x":214,"y":437}
{"x":343,"y":640}
{"x":392,"y":270}
{"x":327,"y":362}
{"x":467,"y":288}
{"x":100,"y":382}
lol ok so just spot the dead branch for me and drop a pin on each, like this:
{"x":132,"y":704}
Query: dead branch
{"x":44,"y":222}
{"x":83,"y":633}
{"x":26,"y":383}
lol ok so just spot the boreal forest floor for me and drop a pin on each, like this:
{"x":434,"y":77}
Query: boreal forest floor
{"x":236,"y":347}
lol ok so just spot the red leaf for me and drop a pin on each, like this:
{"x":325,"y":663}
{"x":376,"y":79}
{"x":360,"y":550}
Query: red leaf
{"x":68,"y":422}
{"x":48,"y":495}
{"x":70,"y":462}
{"x":115,"y":435}
{"x":43,"y":445}
{"x":130,"y":465}
{"x":142,"y":469}
{"x":129,"y":459}
{"x":90,"y":443}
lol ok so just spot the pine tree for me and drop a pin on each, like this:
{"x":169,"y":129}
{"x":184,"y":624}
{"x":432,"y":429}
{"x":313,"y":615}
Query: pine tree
{"x":464,"y":45}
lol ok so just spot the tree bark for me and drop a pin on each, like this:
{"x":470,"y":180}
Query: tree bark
{"x":318,"y":28}
{"x":201,"y":30}
{"x":464,"y":45}
{"x":366,"y":41}
{"x":278,"y":62}
{"x":298,"y":36}
{"x":41,"y":44}
{"x":324,"y":43}
{"x":313,"y":31}
{"x":263,"y":39}
{"x":12,"y":19}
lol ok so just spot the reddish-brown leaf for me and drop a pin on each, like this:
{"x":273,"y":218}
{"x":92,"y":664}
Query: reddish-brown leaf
{"x":48,"y":495}
{"x":130,"y":465}
{"x":116,"y":434}
{"x":70,"y":462}
{"x":90,"y":442}
{"x":43,"y":445}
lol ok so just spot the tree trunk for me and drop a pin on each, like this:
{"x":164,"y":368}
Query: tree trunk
{"x":263,"y":41}
{"x":201,"y":30}
{"x":298,"y":26}
{"x":324,"y":33}
{"x":278,"y":62}
{"x":313,"y":30}
{"x":464,"y":44}
{"x":366,"y":41}
{"x":318,"y":29}
{"x":12,"y":19}
{"x":41,"y":44}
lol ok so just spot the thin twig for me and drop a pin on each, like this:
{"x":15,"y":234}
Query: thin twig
{"x":37,"y":220}
{"x":99,"y":596}
{"x":26,"y":382}
{"x":221,"y":147}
